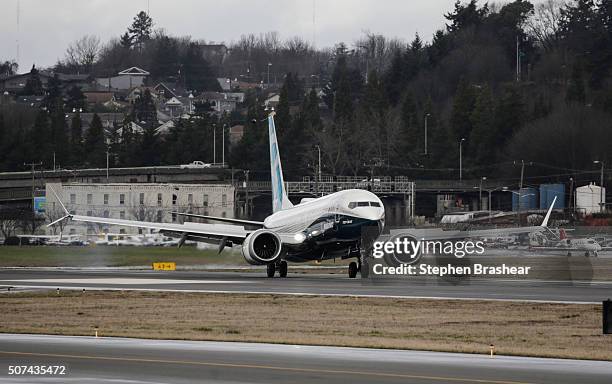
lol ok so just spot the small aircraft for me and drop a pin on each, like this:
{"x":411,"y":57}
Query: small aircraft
{"x":323,"y":228}
{"x":564,"y":244}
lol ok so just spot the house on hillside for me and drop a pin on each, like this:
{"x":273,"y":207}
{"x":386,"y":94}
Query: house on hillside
{"x":14,"y":84}
{"x":126,"y":79}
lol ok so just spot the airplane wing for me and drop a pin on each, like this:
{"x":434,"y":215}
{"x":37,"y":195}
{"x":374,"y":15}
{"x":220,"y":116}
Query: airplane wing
{"x":221,"y":234}
{"x":187,"y":230}
{"x":222,"y":219}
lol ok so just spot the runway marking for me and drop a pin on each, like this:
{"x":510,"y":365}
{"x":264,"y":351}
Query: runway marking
{"x":128,"y":281}
{"x":280,"y":293}
{"x":269,"y":367}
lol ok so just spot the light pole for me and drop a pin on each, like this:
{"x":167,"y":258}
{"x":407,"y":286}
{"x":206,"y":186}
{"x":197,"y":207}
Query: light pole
{"x":426,"y":116}
{"x":602,"y":198}
{"x":319,"y":172}
{"x":480,"y":193}
{"x":461,"y":158}
{"x":214,"y":143}
{"x":269,"y":65}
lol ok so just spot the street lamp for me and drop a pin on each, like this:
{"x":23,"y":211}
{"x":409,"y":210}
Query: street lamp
{"x":269,"y":65}
{"x":319,"y":172}
{"x":214,"y":143}
{"x":460,"y":158}
{"x":480,"y":193}
{"x":426,"y":116}
{"x":602,"y":198}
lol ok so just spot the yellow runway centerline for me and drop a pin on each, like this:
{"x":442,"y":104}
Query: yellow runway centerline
{"x":268,"y":367}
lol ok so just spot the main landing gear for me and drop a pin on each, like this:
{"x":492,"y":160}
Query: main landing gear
{"x":281,"y":266}
{"x":360,"y":266}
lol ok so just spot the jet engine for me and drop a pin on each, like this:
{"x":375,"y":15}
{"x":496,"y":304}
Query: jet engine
{"x":261,"y":247}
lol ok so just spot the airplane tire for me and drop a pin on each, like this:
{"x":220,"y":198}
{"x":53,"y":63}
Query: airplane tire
{"x":271,"y":269}
{"x":282,"y":269}
{"x":352,"y":270}
{"x":364,"y":269}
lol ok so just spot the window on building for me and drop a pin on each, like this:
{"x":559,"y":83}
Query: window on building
{"x":224,"y":214}
{"x":122,"y":214}
{"x":106,"y":199}
{"x":73,"y":198}
{"x":133,"y":180}
{"x":106,"y":214}
{"x":159,"y":200}
{"x":90,"y":230}
{"x":121,"y":199}
{"x":160,"y":216}
{"x":224,"y":200}
{"x":205,"y":203}
{"x":73,"y":231}
{"x":190,"y":198}
{"x":142,"y":199}
{"x":173,"y":217}
{"x":89,"y":213}
{"x":89,"y":199}
{"x":174,"y":197}
{"x":122,"y":230}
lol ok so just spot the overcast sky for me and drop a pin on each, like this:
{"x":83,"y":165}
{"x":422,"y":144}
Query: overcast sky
{"x":46,"y":27}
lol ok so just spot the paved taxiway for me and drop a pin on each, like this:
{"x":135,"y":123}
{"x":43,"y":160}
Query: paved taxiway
{"x":307,"y":284}
{"x":91,"y":360}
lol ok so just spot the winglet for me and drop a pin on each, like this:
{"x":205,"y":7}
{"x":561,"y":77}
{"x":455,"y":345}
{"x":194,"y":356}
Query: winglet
{"x":67,"y":213}
{"x":59,"y":200}
{"x":547,"y":217}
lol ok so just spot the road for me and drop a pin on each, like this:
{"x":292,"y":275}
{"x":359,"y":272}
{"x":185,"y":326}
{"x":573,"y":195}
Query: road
{"x":307,"y":284}
{"x":91,"y":360}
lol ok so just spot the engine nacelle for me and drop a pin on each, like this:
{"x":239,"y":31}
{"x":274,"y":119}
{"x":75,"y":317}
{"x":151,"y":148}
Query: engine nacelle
{"x":261,"y":247}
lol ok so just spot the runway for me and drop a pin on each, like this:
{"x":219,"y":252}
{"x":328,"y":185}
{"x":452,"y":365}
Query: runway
{"x":307,"y":284}
{"x":116,"y":360}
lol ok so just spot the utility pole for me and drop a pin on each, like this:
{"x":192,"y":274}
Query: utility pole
{"x":602,"y":197}
{"x":269,"y":65}
{"x":33,"y":166}
{"x":426,"y":116}
{"x":246,"y":187}
{"x":214,"y":144}
{"x":480,"y":193}
{"x":461,"y":159}
{"x":107,"y":164}
{"x":318,"y":177}
{"x":223,"y":147}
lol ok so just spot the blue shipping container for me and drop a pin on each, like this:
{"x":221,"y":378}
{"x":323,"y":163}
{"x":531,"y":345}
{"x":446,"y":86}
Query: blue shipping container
{"x":525,"y":199}
{"x":548,"y":192}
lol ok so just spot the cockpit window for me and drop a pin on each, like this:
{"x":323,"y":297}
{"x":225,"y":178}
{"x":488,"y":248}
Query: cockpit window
{"x":374,"y":204}
{"x":354,"y":204}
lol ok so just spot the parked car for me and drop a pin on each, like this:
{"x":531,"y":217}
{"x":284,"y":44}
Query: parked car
{"x":196,"y":164}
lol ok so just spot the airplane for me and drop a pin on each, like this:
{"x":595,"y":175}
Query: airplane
{"x":587,"y":245}
{"x":341,"y":225}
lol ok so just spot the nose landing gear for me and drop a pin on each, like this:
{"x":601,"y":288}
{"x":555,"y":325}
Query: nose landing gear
{"x":281,"y":266}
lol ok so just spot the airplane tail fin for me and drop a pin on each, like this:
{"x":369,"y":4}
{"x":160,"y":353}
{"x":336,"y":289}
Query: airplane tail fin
{"x":547,"y":217}
{"x":280,"y":200}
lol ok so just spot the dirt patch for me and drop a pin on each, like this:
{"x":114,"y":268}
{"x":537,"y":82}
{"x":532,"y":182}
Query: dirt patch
{"x":549,"y":330}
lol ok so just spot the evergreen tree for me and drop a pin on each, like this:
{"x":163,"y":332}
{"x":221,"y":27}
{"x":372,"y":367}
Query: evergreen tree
{"x":463,"y":105}
{"x":53,"y":99}
{"x":575,"y":91}
{"x":95,"y":143}
{"x":283,"y":119}
{"x":126,"y":41}
{"x":59,"y":137}
{"x":482,"y":138}
{"x":38,"y":147}
{"x":76,"y":138}
{"x":76,"y":101}
{"x":196,"y":71}
{"x":141,"y":29}
{"x":145,"y":111}
{"x":33,"y":85}
{"x":509,"y":114}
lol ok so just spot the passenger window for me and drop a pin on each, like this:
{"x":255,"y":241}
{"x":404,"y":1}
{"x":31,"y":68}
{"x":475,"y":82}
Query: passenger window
{"x":363,"y":204}
{"x":374,"y":204}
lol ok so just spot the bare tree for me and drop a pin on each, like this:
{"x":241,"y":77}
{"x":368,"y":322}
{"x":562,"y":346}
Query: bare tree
{"x":53,"y":214}
{"x":543,"y":25}
{"x":83,"y":52}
